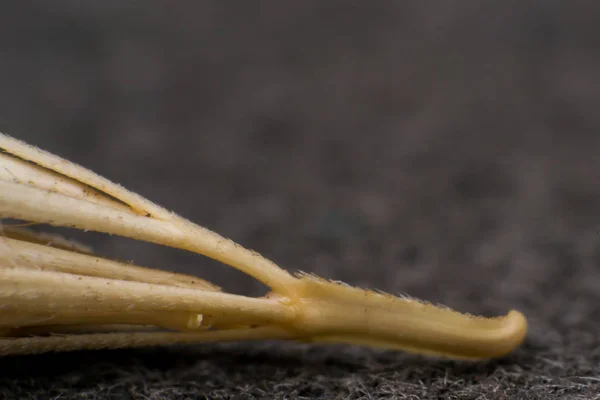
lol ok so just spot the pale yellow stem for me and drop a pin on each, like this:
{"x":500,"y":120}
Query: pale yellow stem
{"x":82,"y":175}
{"x":35,"y":345}
{"x":25,"y":172}
{"x":37,"y":284}
{"x":31,"y":291}
{"x":36,"y":256}
{"x":193,"y":238}
{"x":331,"y":312}
{"x":33,"y":204}
{"x":67,"y":330}
{"x":181,"y":321}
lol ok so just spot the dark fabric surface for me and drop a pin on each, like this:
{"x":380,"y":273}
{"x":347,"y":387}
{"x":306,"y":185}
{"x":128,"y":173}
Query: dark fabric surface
{"x":448,"y":150}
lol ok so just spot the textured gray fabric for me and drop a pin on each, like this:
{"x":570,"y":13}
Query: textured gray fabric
{"x":448,"y":150}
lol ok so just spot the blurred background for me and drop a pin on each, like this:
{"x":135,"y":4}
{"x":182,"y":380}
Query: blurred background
{"x":448,"y":150}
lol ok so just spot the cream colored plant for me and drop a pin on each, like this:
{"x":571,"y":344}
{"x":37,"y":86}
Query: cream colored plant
{"x":55,"y":295}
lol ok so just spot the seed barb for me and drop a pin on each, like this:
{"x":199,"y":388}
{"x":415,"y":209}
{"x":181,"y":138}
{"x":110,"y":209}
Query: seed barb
{"x":56,"y":295}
